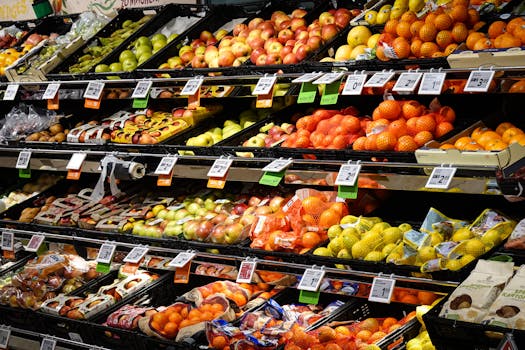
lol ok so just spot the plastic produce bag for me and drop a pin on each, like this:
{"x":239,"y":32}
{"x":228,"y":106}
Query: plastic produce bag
{"x":23,"y":120}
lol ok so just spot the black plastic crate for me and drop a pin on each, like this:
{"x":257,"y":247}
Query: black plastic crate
{"x":449,"y":334}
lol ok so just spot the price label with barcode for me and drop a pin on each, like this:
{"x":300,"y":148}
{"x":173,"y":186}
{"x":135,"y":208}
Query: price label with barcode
{"x":354,"y":84}
{"x":8,"y":241}
{"x":264,"y":85}
{"x":142,"y":89}
{"x":136,"y":254}
{"x":220,"y":168}
{"x":34,"y":243}
{"x":23,"y":160}
{"x":379,"y":79}
{"x":4,"y":337}
{"x":166,"y":165}
{"x":382,"y":290}
{"x":94,"y":90}
{"x":479,"y":81}
{"x":246,"y":271}
{"x":278,"y":165}
{"x":432,"y":83}
{"x":347,"y":175}
{"x":106,"y":253}
{"x":311,"y":280}
{"x":10,"y":92}
{"x":306,"y":78}
{"x":191,"y":87}
{"x":48,"y":344}
{"x":76,"y":161}
{"x":182,"y":259}
{"x":440,"y":177}
{"x":407,"y":82}
{"x":329,"y":78}
{"x":51,"y":91}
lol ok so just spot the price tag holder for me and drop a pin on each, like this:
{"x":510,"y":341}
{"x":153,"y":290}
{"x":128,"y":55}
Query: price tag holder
{"x":135,"y":255}
{"x":48,"y":344}
{"x":431,"y":83}
{"x":182,"y":259}
{"x":382,"y":290}
{"x":142,"y":89}
{"x":441,"y":177}
{"x":51,"y":91}
{"x":379,"y":79}
{"x":246,"y":271}
{"x":4,"y":337}
{"x":10,"y":92}
{"x":166,"y":165}
{"x":192,"y":86}
{"x":264,"y":86}
{"x":407,"y":82}
{"x":35,"y":243}
{"x":94,"y":90}
{"x":329,"y":78}
{"x":106,"y":253}
{"x":331,"y":94}
{"x":74,"y":166}
{"x":23,"y":160}
{"x":307,"y":93}
{"x":220,"y":167}
{"x":348,"y":174}
{"x":311,"y":280}
{"x":307,"y":78}
{"x":354,"y":84}
{"x":8,"y":241}
{"x":479,"y":81}
{"x":278,"y":165}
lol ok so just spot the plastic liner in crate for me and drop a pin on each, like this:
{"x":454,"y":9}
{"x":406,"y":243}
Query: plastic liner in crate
{"x":15,"y":265}
{"x":447,"y":334}
{"x":62,"y":72}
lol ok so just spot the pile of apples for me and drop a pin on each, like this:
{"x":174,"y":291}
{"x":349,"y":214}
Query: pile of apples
{"x":270,"y":135}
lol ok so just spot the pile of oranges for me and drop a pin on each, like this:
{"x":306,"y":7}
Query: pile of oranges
{"x":500,"y":35}
{"x":435,"y":35}
{"x":404,"y":126}
{"x":483,"y":138}
{"x":410,"y":296}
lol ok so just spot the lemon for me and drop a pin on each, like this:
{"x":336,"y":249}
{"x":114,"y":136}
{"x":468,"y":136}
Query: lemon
{"x":453,"y":265}
{"x":380,"y":226}
{"x":474,"y":247}
{"x":349,"y":219}
{"x":462,"y":234}
{"x":372,"y":41}
{"x":358,"y":50}
{"x":427,"y":253}
{"x":404,"y":227}
{"x":371,"y":17}
{"x":384,"y":14}
{"x":491,"y":238}
{"x":323,"y":251}
{"x":358,"y":35}
{"x":414,"y":344}
{"x":349,"y":239}
{"x":374,"y":256}
{"x":392,"y":235}
{"x":344,"y":254}
{"x":334,"y":231}
{"x":435,"y":238}
{"x":350,"y":230}
{"x":336,"y":245}
{"x":360,"y":250}
{"x":393,"y":257}
{"x":416,"y":5}
{"x":389,"y":248}
{"x":397,"y":12}
{"x":465,"y":259}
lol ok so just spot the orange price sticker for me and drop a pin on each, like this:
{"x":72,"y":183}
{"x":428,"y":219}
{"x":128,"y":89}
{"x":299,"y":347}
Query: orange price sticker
{"x":217,"y":182}
{"x":91,"y":103}
{"x":9,"y":254}
{"x":52,"y":103}
{"x":194,"y":100}
{"x":73,"y":174}
{"x":264,"y":101}
{"x":182,"y":274}
{"x":165,"y":180}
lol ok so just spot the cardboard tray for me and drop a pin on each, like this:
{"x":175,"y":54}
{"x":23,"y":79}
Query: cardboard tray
{"x":464,"y":58}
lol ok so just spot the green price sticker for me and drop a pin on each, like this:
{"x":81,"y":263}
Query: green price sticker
{"x":307,"y":93}
{"x":103,"y":268}
{"x":349,"y":192}
{"x":24,"y":173}
{"x":308,"y":297}
{"x":141,"y":102}
{"x":42,"y":249}
{"x":271,"y":178}
{"x":331,"y":93}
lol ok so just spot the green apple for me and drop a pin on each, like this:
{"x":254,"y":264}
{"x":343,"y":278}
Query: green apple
{"x":254,"y":141}
{"x":141,"y":50}
{"x":142,"y":41}
{"x":230,"y":130}
{"x":127,"y":23}
{"x":129,"y":64}
{"x":230,"y":122}
{"x":144,"y":57}
{"x":173,"y":37}
{"x":247,"y":123}
{"x":157,"y":45}
{"x":203,"y":140}
{"x":159,"y":37}
{"x":193,"y":208}
{"x":116,"y":67}
{"x":175,"y":62}
{"x":171,"y":215}
{"x":181,"y":214}
{"x":100,"y":68}
{"x":185,"y":48}
{"x":126,"y":54}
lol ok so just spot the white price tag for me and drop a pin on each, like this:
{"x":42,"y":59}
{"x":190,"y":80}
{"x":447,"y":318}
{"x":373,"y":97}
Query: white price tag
{"x":23,"y":160}
{"x":136,"y":254}
{"x":10,"y":92}
{"x":440,"y":177}
{"x":348,"y":174}
{"x":76,"y":161}
{"x":220,"y":168}
{"x":329,"y":78}
{"x":354,"y":84}
{"x":264,"y":85}
{"x":94,"y":90}
{"x":382,"y":290}
{"x":306,"y":78}
{"x":8,"y":241}
{"x":106,"y":253}
{"x":479,"y":81}
{"x":407,"y":82}
{"x":311,"y":280}
{"x":34,"y":243}
{"x":181,"y":259}
{"x":246,"y":271}
{"x":51,"y":91}
{"x":432,"y":83}
{"x":48,"y":344}
{"x":191,"y":87}
{"x":379,"y":79}
{"x":278,"y":165}
{"x":166,"y":165}
{"x":142,"y":89}
{"x":75,"y":337}
{"x":4,"y":337}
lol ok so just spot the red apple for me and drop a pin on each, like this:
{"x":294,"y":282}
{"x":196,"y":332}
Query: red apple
{"x":267,"y":33}
{"x":206,"y":35}
{"x":265,"y":25}
{"x":273,"y":58}
{"x":342,"y":19}
{"x":291,"y":42}
{"x":302,"y":35}
{"x":233,"y":233}
{"x":355,"y":12}
{"x":218,"y":234}
{"x":298,"y":22}
{"x":290,"y":59}
{"x":226,"y":58}
{"x":254,"y":201}
{"x":314,"y":42}
{"x":204,"y":230}
{"x":302,"y":52}
{"x":285,"y":51}
{"x":211,"y":41}
{"x":255,"y":42}
{"x":269,"y":42}
{"x":210,"y":53}
{"x":196,"y":43}
{"x":277,"y":14}
{"x":198,"y":61}
{"x":239,"y":209}
{"x":299,"y":13}
{"x":274,"y":46}
{"x":314,"y":24}
{"x":241,"y":49}
{"x":284,"y":25}
{"x":329,"y":31}
{"x":219,"y":219}
{"x":332,"y":11}
{"x":239,"y":28}
{"x":281,"y":19}
{"x":247,"y":219}
{"x":243,"y":34}
{"x":178,"y":112}
{"x":263,"y":210}
{"x":256,"y":53}
{"x":261,"y":60}
{"x":285,"y":35}
{"x":316,"y":31}
{"x":226,"y":41}
{"x":187,"y":56}
{"x":254,"y":33}
{"x":255,"y":22}
{"x":326,"y":18}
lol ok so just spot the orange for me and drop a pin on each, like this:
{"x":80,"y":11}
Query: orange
{"x":239,"y":299}
{"x":389,"y":109}
{"x":398,"y":128}
{"x":411,"y":126}
{"x":219,"y":342}
{"x":343,"y":330}
{"x":406,"y":144}
{"x":426,"y":123}
{"x":520,"y":33}
{"x":333,"y":347}
{"x":476,"y":134}
{"x":518,"y":139}
{"x":170,"y":330}
{"x":496,"y":145}
{"x":504,"y":126}
{"x":380,"y":53}
{"x":472,"y":147}
{"x":459,"y":13}
{"x":450,"y":49}
{"x":388,"y":322}
{"x":160,"y":318}
{"x":409,"y":299}
{"x":506,"y":40}
{"x":175,"y":317}
{"x":364,"y":335}
{"x":351,"y":124}
{"x":403,"y":30}
{"x":460,"y":2}
{"x":443,"y":128}
{"x":447,"y":146}
{"x":426,"y":298}
{"x":409,"y":17}
{"x":386,"y":141}
{"x":472,"y":38}
{"x":473,"y":16}
{"x":415,"y":27}
{"x":510,"y":133}
{"x":443,"y":21}
{"x":431,"y":17}
{"x":423,"y":137}
{"x":488,"y":137}
{"x":462,"y":142}
{"x":428,"y":49}
{"x":415,"y":47}
{"x":444,"y":38}
{"x":483,"y":44}
{"x":359,"y":144}
{"x":370,"y":324}
{"x":376,"y":336}
{"x":313,"y":205}
{"x":326,"y":334}
{"x":401,"y":47}
{"x":370,"y":144}
{"x":411,"y":109}
{"x":496,"y":29}
{"x":427,"y":32}
{"x":447,"y":113}
{"x":514,"y":24}
{"x":459,"y":32}
{"x":310,"y":239}
{"x":391,"y":26}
